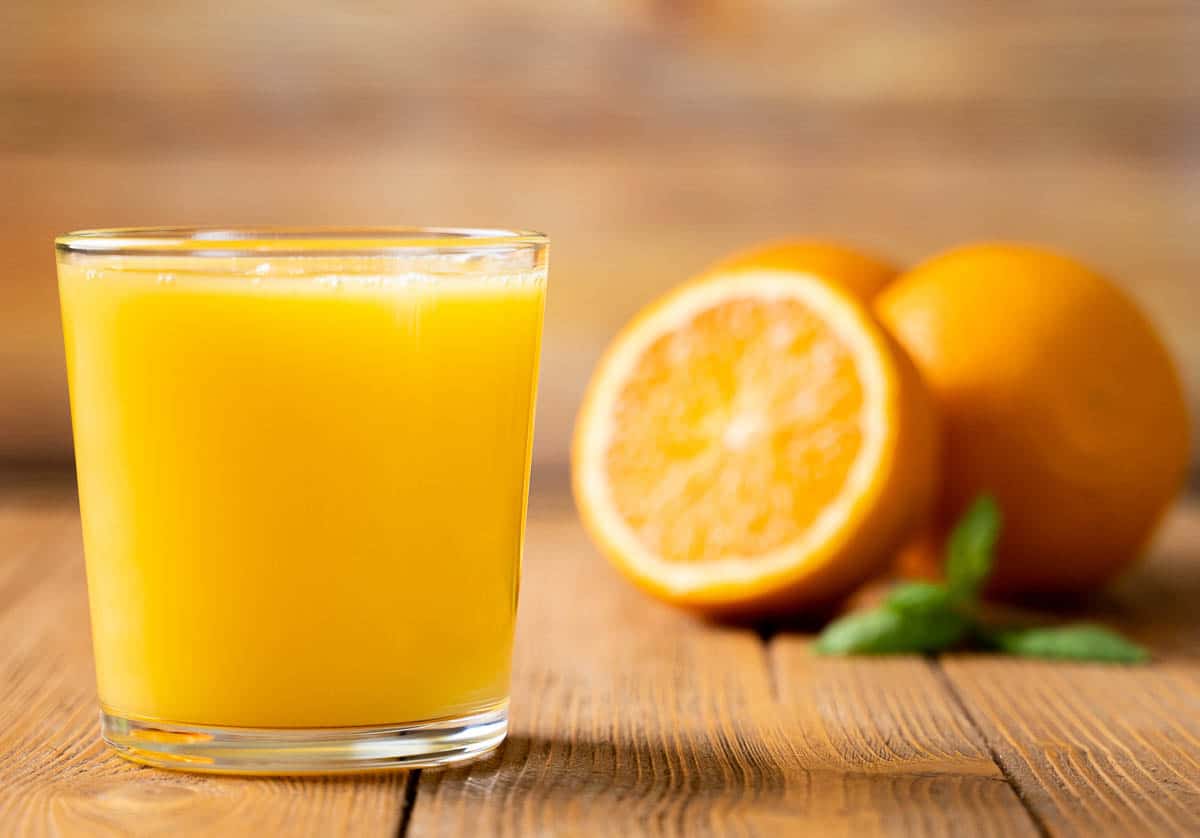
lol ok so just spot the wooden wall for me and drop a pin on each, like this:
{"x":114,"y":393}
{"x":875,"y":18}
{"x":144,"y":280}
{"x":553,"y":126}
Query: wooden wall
{"x":646,"y":136}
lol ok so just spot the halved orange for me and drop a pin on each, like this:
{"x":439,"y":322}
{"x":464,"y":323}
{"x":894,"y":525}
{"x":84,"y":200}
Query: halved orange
{"x":753,"y":444}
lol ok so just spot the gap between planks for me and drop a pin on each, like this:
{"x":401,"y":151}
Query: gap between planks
{"x":411,"y":786}
{"x":630,"y":715}
{"x":957,"y":699}
{"x":769,"y":633}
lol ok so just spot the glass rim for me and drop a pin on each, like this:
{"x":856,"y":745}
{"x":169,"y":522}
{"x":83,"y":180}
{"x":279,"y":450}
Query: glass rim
{"x":294,"y":241}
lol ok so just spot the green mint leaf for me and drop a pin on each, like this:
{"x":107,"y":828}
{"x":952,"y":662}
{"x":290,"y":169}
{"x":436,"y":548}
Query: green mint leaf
{"x":969,"y":548}
{"x":1080,"y":641}
{"x":887,"y":631}
{"x":919,"y":598}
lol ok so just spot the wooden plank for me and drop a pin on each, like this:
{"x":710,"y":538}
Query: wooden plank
{"x":648,"y":136}
{"x":1102,"y":750}
{"x":893,"y":721}
{"x":624,"y":230}
{"x":122,"y":123}
{"x":631,"y":718}
{"x":57,"y":778}
{"x":749,"y":47}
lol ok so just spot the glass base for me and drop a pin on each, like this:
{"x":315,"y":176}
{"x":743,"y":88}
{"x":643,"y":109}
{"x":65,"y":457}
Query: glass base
{"x":249,"y":750}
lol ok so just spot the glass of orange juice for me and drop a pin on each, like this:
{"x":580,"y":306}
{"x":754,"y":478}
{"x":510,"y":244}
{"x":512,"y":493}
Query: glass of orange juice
{"x":303,"y":463}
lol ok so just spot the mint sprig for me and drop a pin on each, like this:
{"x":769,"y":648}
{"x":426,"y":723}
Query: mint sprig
{"x":970,"y":547}
{"x":1079,"y":641}
{"x":931,"y":617}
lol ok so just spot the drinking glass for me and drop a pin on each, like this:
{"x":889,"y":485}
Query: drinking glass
{"x":303,"y":462}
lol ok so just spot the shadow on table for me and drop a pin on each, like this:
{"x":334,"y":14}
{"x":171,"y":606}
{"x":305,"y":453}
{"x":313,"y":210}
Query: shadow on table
{"x":701,"y":785}
{"x":1157,"y":602}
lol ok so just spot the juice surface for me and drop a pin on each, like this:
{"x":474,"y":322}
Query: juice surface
{"x":303,"y":497}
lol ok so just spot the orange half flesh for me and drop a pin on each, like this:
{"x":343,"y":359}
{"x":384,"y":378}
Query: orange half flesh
{"x":738,"y":446}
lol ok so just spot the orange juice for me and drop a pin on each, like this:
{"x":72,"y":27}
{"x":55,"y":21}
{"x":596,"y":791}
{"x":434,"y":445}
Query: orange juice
{"x":303,"y":491}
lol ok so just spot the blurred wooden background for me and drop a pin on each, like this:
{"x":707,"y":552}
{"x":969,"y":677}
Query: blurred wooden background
{"x":646,"y":136}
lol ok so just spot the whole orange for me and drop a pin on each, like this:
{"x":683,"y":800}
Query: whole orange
{"x":1057,"y":395}
{"x":857,"y":271}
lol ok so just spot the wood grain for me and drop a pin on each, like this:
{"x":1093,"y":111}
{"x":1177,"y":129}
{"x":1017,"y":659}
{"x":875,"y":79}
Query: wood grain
{"x":647,"y":137}
{"x":633,"y":719}
{"x":57,"y":778}
{"x":630,"y":718}
{"x":1102,"y":750}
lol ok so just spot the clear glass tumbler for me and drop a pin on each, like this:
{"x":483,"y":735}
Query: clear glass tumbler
{"x":303,"y":462}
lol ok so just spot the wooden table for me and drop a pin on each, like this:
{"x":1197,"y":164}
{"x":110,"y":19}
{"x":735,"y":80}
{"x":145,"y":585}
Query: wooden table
{"x":630,"y":718}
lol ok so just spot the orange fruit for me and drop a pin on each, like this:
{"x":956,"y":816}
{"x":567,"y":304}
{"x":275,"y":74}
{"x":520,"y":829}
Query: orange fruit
{"x":753,"y":443}
{"x":860,"y":273}
{"x":1057,"y":395}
